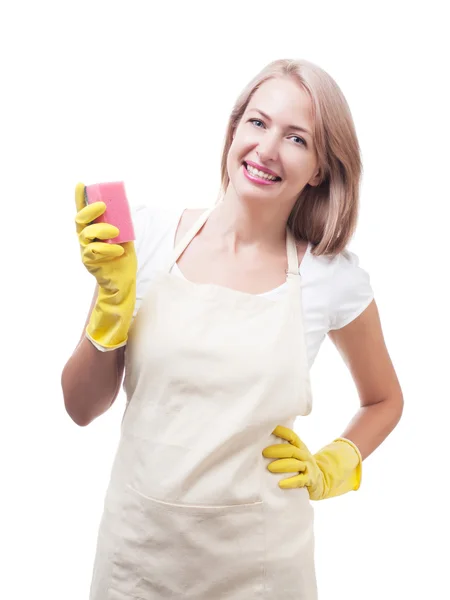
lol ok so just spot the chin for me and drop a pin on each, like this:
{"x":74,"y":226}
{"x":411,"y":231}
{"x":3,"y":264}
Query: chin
{"x":254,"y":198}
{"x":246,"y":191}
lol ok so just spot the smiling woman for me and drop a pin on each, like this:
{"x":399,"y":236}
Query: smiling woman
{"x":295,"y":97}
{"x":271,"y":140}
{"x":232,"y":304}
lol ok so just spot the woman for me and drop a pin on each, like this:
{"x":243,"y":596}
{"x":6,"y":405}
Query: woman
{"x":210,"y":489}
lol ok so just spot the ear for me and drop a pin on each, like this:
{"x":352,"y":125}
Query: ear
{"x":315,"y":179}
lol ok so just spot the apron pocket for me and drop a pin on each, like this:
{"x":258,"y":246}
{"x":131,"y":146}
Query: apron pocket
{"x":187,"y":551}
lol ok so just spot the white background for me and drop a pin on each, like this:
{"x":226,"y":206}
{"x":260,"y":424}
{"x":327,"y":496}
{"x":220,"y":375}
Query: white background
{"x":106,"y":91}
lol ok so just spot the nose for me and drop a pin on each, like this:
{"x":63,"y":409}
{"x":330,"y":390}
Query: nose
{"x":268,"y":148}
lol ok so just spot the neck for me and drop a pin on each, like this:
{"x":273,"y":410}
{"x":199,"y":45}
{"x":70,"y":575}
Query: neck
{"x":243,"y":223}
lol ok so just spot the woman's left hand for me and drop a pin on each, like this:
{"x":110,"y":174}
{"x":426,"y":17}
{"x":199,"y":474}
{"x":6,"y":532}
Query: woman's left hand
{"x":334,"y":470}
{"x":293,"y":458}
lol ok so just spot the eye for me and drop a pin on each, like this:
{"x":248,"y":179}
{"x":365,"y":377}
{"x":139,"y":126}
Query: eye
{"x":255,"y":121}
{"x":301,"y":140}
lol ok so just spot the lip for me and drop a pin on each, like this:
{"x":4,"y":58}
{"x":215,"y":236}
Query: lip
{"x":257,"y":180}
{"x":261,"y":168}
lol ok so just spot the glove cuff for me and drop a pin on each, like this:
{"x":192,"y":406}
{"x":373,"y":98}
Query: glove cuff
{"x":340,"y":463}
{"x":103,"y":348}
{"x":111,"y":319}
{"x":358,"y":466}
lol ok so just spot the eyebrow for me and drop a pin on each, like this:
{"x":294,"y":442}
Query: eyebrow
{"x":297,"y":127}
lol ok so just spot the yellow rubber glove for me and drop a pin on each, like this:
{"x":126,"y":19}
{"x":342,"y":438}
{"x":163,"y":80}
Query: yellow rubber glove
{"x":114,"y":266}
{"x":334,"y":470}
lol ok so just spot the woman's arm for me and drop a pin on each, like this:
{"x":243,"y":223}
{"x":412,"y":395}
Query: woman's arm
{"x":362,"y":346}
{"x":336,"y":468}
{"x":91,"y":379}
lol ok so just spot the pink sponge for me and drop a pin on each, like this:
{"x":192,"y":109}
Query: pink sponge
{"x":117,"y":208}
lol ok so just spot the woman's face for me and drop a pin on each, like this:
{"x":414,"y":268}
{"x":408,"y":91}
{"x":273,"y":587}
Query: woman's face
{"x":274,"y":134}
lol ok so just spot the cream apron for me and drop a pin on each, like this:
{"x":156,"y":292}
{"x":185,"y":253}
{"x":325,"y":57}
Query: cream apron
{"x":191,"y":511}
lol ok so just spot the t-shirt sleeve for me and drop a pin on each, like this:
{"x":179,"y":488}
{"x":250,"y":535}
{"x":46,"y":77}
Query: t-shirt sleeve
{"x":154,"y":228}
{"x":140,"y":216}
{"x":142,"y":221}
{"x":351,"y":290}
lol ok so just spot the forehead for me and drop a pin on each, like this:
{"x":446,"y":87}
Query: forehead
{"x":285,"y":100}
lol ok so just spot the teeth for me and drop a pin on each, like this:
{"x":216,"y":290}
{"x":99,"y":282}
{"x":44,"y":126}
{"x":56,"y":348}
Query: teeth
{"x":260,"y":174}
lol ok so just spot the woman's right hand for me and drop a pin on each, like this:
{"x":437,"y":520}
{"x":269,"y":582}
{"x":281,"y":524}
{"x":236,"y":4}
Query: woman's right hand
{"x":114,"y":266}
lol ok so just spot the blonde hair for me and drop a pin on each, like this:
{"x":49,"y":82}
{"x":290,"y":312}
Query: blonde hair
{"x":325,"y":215}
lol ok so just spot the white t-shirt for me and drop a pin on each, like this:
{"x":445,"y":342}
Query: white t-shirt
{"x":335,"y":290}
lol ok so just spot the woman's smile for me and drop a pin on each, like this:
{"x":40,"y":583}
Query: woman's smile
{"x":258,"y":176}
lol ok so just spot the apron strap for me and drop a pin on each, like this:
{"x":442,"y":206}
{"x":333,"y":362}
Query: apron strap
{"x":291,"y":247}
{"x":292,"y":272}
{"x":188,"y":237}
{"x":292,"y":255}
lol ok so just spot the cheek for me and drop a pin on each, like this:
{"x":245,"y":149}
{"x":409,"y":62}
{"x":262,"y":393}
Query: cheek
{"x":243,"y":142}
{"x":299,"y":171}
{"x":235,"y":154}
{"x":231,"y":163}
{"x":236,"y":147}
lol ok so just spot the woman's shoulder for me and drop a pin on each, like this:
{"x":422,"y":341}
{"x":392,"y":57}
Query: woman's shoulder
{"x":187,"y":219}
{"x":348,"y":272}
{"x":153,"y":225}
{"x":337,"y":266}
{"x":348,"y":286}
{"x":146,"y":216}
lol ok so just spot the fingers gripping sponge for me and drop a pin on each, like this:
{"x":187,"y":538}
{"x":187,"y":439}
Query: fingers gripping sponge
{"x":117,"y":209}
